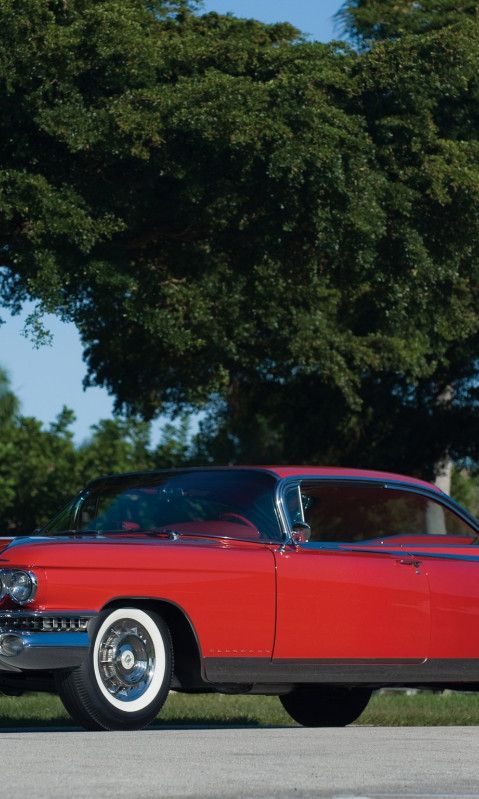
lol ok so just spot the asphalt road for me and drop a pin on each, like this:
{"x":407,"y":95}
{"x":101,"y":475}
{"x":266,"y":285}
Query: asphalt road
{"x":254,"y":763}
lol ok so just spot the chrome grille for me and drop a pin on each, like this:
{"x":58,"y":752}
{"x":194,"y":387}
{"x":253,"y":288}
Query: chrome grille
{"x":44,"y":623}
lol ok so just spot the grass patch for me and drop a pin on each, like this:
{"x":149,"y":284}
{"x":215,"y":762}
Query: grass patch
{"x":33,"y":710}
{"x":384,"y":710}
{"x":422,"y":710}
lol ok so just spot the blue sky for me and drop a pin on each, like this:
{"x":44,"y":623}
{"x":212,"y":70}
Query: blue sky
{"x":47,"y":378}
{"x":312,"y":17}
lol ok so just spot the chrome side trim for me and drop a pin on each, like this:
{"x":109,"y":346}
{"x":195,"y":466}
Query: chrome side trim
{"x":381,"y":672}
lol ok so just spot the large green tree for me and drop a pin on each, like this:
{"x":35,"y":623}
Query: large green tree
{"x":285,"y":232}
{"x":179,"y":191}
{"x":418,"y":97}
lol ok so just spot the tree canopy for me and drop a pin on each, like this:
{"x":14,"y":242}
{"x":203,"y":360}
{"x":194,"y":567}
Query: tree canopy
{"x":283,"y":232}
{"x":368,"y":21}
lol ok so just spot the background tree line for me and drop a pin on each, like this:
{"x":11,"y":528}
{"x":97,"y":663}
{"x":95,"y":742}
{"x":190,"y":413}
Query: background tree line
{"x":282,"y":233}
{"x":42,"y":469}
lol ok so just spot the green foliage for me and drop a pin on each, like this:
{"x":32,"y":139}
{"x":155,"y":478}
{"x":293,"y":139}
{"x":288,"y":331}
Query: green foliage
{"x":41,"y":470}
{"x":9,"y":403}
{"x":116,"y":445}
{"x":465,"y":488}
{"x":178,"y":178}
{"x":408,"y":312}
{"x":366,"y":21}
{"x":124,"y":445}
{"x":38,"y":471}
{"x":284,"y":233}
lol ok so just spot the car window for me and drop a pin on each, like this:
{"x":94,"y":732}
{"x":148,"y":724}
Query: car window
{"x":188,"y":501}
{"x":361,"y":512}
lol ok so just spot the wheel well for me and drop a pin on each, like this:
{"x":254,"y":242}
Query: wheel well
{"x":186,"y":652}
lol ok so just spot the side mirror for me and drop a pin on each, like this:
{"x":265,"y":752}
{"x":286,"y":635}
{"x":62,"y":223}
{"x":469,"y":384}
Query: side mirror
{"x":301,"y":532}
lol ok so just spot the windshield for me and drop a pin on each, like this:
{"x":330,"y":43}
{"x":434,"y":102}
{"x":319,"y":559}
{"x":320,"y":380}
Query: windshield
{"x":237,"y":504}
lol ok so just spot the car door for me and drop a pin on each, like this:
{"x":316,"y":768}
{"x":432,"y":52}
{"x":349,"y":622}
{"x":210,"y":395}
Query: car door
{"x":352,"y":593}
{"x":454,"y":589}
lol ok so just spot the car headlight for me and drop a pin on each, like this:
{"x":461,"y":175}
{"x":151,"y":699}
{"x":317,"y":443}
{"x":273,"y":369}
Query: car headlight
{"x":19,"y":584}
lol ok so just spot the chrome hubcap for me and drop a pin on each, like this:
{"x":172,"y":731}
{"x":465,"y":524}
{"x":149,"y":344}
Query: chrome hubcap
{"x":126,"y":660}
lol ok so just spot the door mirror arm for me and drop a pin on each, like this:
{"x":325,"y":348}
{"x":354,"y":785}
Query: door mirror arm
{"x":300,"y":533}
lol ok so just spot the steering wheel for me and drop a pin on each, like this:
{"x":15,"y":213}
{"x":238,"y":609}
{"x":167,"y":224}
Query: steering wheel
{"x":238,"y":518}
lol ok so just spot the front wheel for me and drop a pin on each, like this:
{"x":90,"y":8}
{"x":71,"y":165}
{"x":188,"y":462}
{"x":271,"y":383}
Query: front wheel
{"x":126,"y":677}
{"x":323,"y":706}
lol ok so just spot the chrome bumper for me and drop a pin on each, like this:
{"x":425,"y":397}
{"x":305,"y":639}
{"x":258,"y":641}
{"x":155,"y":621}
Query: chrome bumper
{"x":41,"y":641}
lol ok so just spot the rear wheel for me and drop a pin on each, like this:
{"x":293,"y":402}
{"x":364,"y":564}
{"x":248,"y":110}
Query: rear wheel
{"x":323,"y":706}
{"x":125,"y":680}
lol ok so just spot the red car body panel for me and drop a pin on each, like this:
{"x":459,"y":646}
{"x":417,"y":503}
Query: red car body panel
{"x":218,"y":585}
{"x":365,"y":605}
{"x":453,"y":588}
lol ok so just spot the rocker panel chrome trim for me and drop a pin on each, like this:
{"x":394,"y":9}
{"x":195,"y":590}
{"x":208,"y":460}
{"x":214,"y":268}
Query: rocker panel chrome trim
{"x":379,"y":671}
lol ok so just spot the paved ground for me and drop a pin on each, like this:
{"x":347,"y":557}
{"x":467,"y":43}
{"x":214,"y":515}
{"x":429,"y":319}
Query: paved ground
{"x":379,"y":763}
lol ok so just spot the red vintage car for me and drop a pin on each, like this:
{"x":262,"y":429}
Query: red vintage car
{"x":317,"y":585}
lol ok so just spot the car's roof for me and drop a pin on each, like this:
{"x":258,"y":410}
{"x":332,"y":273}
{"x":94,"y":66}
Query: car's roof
{"x":339,"y":471}
{"x":290,"y":471}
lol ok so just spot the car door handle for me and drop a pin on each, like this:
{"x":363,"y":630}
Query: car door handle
{"x":409,"y":562}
